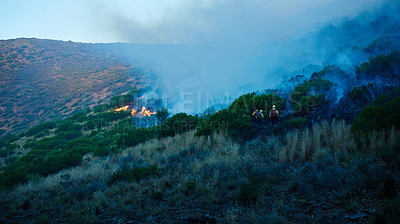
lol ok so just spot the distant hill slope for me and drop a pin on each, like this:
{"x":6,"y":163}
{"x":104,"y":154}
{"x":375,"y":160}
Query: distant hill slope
{"x":44,"y":80}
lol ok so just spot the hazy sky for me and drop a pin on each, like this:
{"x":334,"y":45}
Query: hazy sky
{"x":168,"y":21}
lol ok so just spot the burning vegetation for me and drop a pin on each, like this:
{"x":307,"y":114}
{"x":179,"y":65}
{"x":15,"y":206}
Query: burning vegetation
{"x":144,"y":112}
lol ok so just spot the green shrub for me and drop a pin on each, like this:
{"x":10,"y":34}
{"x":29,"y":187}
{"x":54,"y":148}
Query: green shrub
{"x":11,"y":147}
{"x":81,"y":115}
{"x":135,"y":136}
{"x":248,"y":103}
{"x":67,"y":125}
{"x":4,"y":153}
{"x":133,"y":174}
{"x":311,"y":96}
{"x":236,"y":124}
{"x":6,"y":139}
{"x":391,"y":155}
{"x":41,"y":127}
{"x":123,"y":126}
{"x":110,"y":116}
{"x":295,"y":122}
{"x":96,"y":123}
{"x":10,"y":159}
{"x":30,"y":143}
{"x":177,"y":124}
{"x":69,"y":135}
{"x":380,"y":116}
{"x":42,"y":134}
{"x":101,"y":151}
{"x":362,"y":95}
{"x":237,"y":119}
{"x":84,"y":144}
{"x":56,"y":161}
{"x":162,"y":115}
{"x":12,"y":177}
{"x":120,"y":101}
{"x":48,"y":143}
{"x":384,"y":68}
{"x":44,"y":162}
{"x":257,"y":186}
{"x":101,"y":108}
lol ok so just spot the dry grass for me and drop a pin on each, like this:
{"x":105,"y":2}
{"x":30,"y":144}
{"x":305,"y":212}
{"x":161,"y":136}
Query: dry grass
{"x":194,"y":172}
{"x":192,"y":155}
{"x":378,"y":140}
{"x":322,"y":139}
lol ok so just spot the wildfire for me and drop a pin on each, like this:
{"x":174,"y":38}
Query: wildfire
{"x":145,"y":112}
{"x":125,"y":108}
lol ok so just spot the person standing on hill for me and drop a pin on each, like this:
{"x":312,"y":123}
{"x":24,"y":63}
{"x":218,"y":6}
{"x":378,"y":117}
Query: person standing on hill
{"x":261,"y":118}
{"x":274,"y":116}
{"x":256,"y":114}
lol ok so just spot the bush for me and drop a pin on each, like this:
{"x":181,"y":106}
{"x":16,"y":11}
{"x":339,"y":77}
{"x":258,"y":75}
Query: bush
{"x":135,"y":137}
{"x":132,"y":174}
{"x":234,"y":123}
{"x":96,"y":123}
{"x":120,"y":101}
{"x":12,"y":177}
{"x":363,"y":95}
{"x":56,"y":161}
{"x":248,"y":103}
{"x":69,"y":135}
{"x":47,"y":143}
{"x":42,"y":134}
{"x":6,"y":139}
{"x":162,"y":115}
{"x":101,"y":108}
{"x":81,"y":115}
{"x":42,"y":127}
{"x":67,"y":125}
{"x":295,"y":122}
{"x":257,"y":186}
{"x":380,"y":116}
{"x":110,"y":116}
{"x":5,"y":153}
{"x":312,"y":97}
{"x":178,"y":124}
{"x":383,"y":68}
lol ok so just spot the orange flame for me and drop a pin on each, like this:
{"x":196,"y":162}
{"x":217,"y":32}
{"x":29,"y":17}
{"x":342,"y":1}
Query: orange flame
{"x":125,"y":108}
{"x":146,"y":112}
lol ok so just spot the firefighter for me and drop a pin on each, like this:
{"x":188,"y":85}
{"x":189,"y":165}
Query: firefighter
{"x":274,"y":116}
{"x":261,"y":118}
{"x":255,"y":115}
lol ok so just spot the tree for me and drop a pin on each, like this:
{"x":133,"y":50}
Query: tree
{"x":162,"y":115}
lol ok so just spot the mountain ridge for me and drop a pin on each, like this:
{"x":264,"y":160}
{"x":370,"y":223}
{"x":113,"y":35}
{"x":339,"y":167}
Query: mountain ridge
{"x":42,"y":80}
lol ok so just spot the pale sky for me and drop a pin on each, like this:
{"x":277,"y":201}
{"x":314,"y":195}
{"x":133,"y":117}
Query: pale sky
{"x":169,"y":21}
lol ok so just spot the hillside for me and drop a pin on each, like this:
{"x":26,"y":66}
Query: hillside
{"x":42,"y":80}
{"x":97,"y":167}
{"x":95,"y":146}
{"x":327,"y":161}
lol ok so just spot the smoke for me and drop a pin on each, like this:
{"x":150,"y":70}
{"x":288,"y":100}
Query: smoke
{"x":210,"y":52}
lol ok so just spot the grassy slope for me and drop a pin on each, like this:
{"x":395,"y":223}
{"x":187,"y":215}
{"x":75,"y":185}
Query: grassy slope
{"x":200,"y":176}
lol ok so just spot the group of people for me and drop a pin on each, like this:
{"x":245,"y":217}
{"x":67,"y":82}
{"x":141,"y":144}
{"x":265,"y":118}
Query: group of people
{"x":258,"y":117}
